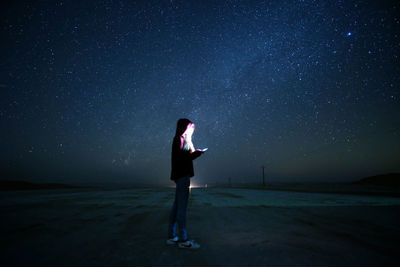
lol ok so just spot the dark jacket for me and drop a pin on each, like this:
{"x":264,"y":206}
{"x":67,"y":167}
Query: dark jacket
{"x":181,"y":160}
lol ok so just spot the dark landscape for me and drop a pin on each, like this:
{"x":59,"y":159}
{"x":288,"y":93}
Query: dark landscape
{"x":235,"y":227}
{"x":285,"y":114}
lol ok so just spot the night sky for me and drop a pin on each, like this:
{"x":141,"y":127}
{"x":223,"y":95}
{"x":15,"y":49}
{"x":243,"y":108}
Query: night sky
{"x":91,"y":90}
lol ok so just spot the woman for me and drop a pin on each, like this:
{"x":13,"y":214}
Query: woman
{"x":183,"y":154}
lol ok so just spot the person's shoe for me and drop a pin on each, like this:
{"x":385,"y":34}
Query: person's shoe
{"x":191,"y":244}
{"x":172,"y":241}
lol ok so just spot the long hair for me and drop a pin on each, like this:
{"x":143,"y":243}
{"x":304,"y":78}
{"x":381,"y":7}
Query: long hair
{"x":187,"y":142}
{"x":183,"y":133}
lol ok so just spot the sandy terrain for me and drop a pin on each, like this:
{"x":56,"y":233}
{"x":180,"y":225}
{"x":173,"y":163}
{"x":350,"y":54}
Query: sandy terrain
{"x":235,"y":227}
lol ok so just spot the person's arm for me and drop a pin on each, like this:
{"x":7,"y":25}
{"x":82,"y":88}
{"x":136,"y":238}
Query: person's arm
{"x":197,"y":153}
{"x":180,"y":153}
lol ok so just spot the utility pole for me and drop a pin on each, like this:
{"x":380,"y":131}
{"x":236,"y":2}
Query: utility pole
{"x":263,"y":174}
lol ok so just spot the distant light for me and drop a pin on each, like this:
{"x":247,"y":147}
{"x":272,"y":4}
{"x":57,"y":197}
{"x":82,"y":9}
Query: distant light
{"x":349,"y":34}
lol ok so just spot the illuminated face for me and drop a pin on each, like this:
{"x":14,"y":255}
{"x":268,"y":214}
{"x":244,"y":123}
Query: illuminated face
{"x":190,"y":129}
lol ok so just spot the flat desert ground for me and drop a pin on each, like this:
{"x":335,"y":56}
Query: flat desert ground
{"x":234,"y":226}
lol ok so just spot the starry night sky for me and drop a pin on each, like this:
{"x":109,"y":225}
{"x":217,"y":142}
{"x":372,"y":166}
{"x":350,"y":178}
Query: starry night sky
{"x":91,"y":90}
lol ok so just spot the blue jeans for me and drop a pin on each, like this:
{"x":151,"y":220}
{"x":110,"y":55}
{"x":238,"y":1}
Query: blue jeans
{"x":178,"y":211}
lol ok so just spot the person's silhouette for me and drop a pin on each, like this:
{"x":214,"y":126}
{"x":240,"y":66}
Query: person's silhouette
{"x":182,"y":156}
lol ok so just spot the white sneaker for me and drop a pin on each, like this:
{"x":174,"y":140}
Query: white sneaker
{"x":172,"y":241}
{"x":191,"y":244}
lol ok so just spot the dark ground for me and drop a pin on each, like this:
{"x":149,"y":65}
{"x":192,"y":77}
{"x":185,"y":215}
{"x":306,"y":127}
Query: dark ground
{"x":235,"y":227}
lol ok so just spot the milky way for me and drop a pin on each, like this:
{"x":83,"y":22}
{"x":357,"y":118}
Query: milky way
{"x":91,"y":90}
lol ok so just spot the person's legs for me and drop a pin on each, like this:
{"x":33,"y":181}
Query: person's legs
{"x":182,"y":196}
{"x":172,"y":217}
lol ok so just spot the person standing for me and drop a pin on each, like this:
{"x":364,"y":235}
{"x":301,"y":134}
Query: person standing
{"x":182,"y":156}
